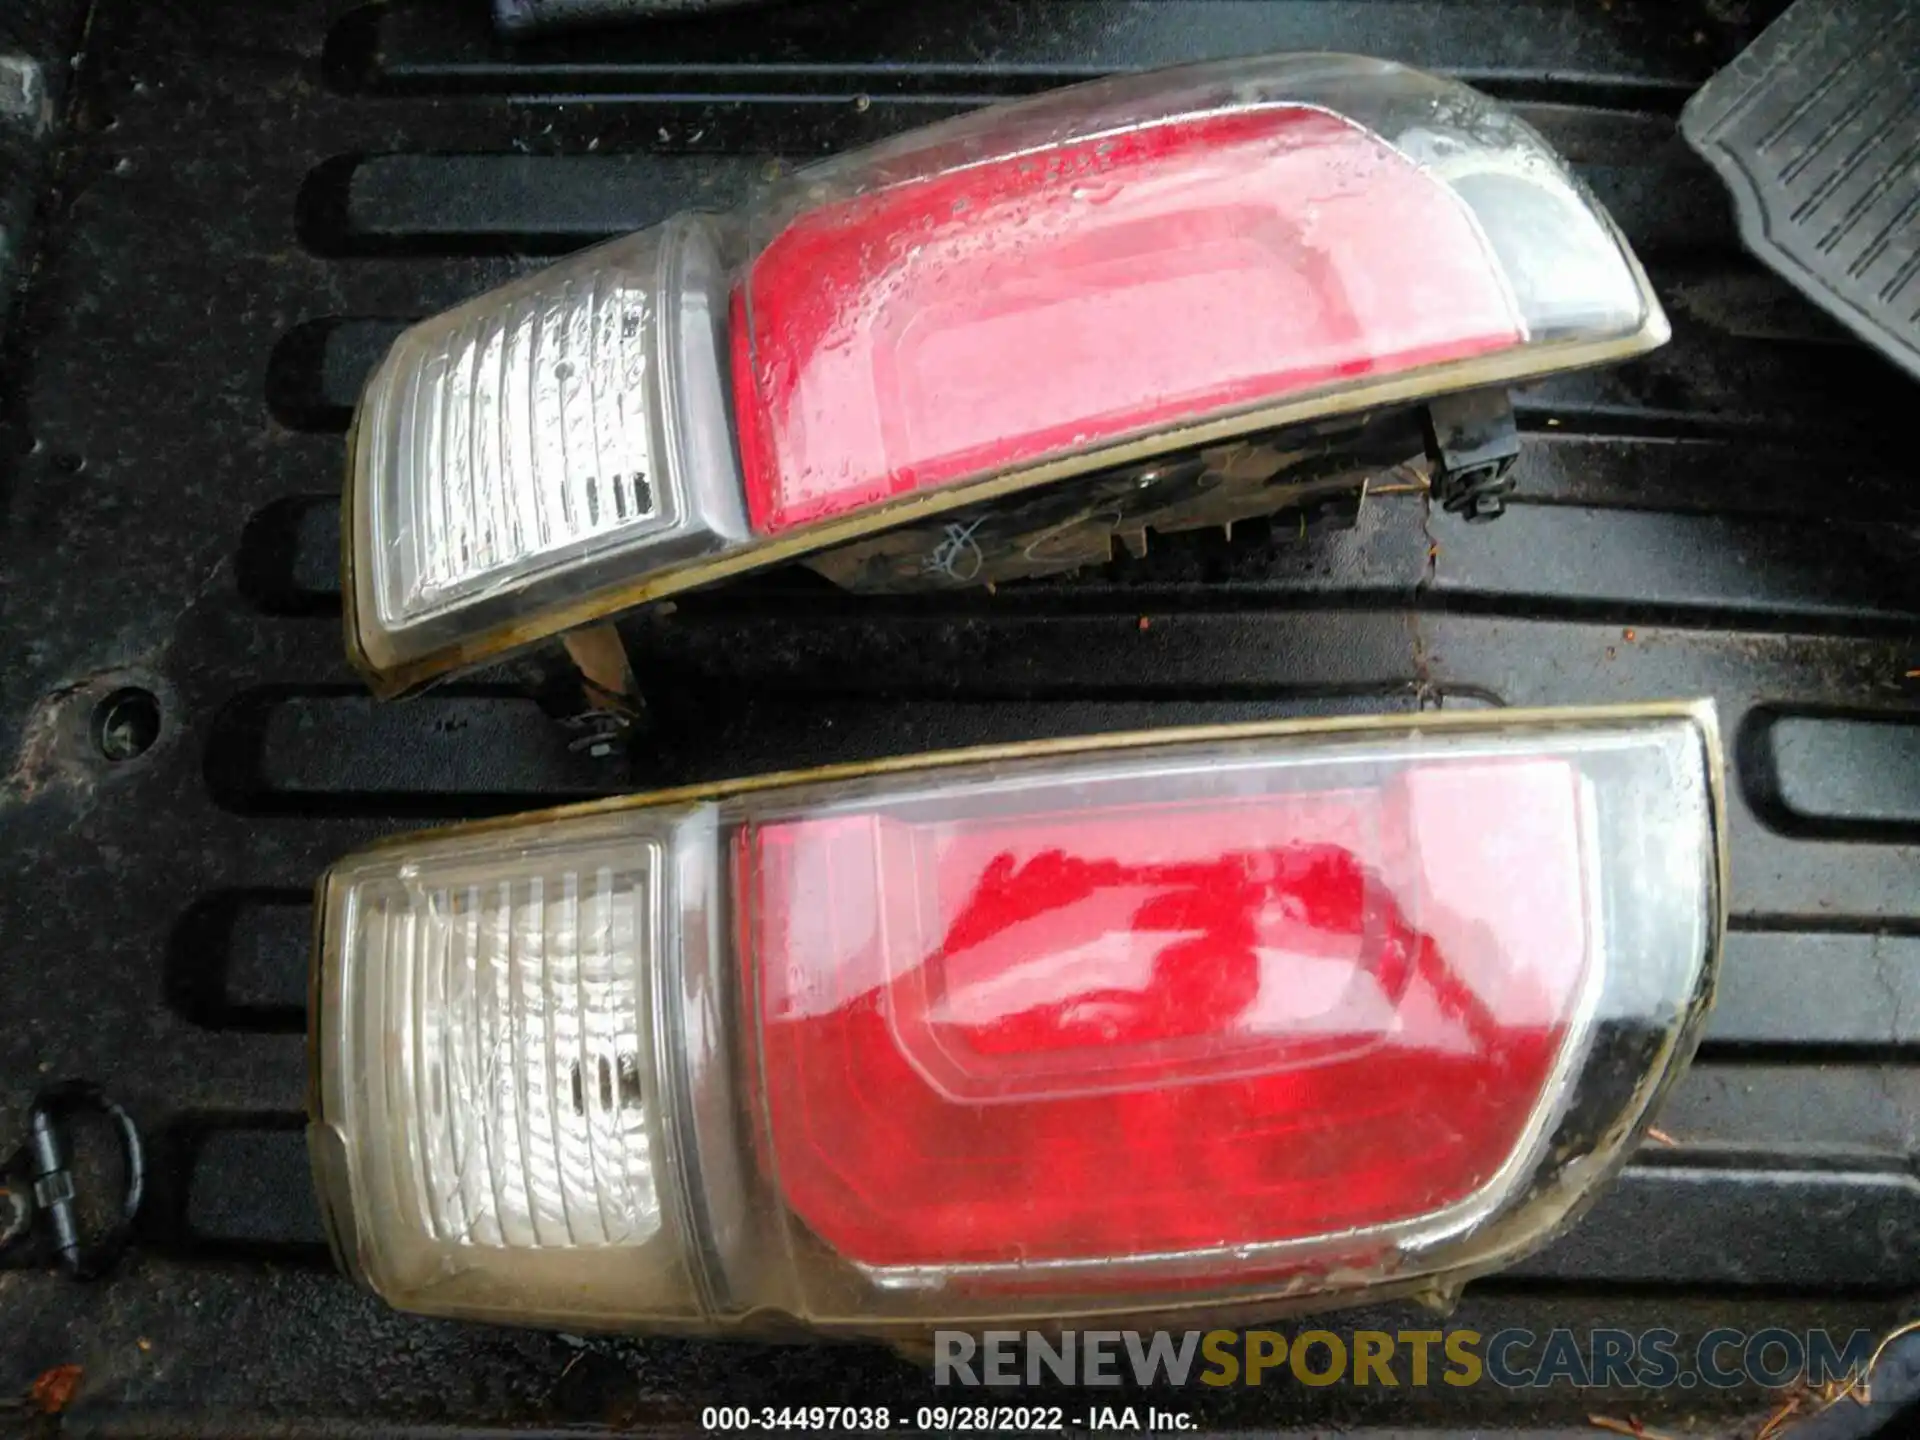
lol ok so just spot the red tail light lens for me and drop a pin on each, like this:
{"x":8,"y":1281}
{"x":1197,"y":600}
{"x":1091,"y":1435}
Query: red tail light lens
{"x":992,"y":316}
{"x":1273,"y":1016}
{"x":1253,"y":1008}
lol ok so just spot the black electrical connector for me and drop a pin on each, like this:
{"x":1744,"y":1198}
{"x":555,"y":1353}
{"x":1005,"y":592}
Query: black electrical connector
{"x":1473,"y":442}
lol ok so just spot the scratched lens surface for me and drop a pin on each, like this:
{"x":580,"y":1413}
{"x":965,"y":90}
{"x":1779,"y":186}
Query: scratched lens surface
{"x":520,"y":435}
{"x":557,"y":437}
{"x":519,"y":998}
{"x":509,"y":1119}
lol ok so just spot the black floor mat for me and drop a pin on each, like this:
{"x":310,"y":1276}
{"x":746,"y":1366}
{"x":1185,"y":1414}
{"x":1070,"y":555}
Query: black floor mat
{"x":1816,"y":128}
{"x":253,"y":195}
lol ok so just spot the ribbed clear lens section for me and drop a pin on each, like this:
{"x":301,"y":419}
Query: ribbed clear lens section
{"x":508,"y":1114}
{"x":522,"y":1002}
{"x":523,"y":437}
{"x":558,"y":437}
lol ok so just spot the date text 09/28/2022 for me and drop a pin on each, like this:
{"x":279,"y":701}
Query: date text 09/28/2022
{"x":959,"y":1418}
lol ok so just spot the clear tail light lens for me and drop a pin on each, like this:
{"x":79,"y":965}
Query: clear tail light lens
{"x":1356,"y":1008}
{"x":1036,"y":291}
{"x":504,"y":1010}
{"x":516,"y":455}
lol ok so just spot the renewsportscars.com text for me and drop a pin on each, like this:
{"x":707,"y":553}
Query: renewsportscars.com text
{"x":1655,"y":1359}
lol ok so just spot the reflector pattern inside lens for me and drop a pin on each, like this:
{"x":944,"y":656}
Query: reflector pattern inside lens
{"x":523,"y":435}
{"x":1283,"y":1014}
{"x":513,"y":1032}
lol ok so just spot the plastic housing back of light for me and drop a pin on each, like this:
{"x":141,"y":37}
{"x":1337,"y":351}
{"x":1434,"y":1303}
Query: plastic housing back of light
{"x":863,"y":1050}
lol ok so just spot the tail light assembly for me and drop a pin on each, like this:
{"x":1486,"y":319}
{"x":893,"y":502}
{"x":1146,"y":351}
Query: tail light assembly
{"x":1199,"y":295}
{"x":1258,"y":1019}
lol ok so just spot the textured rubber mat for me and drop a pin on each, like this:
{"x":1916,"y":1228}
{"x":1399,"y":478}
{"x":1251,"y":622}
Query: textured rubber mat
{"x":1816,"y":128}
{"x":253,"y":198}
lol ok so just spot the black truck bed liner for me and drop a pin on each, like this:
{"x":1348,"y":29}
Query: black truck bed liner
{"x":251,"y":197}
